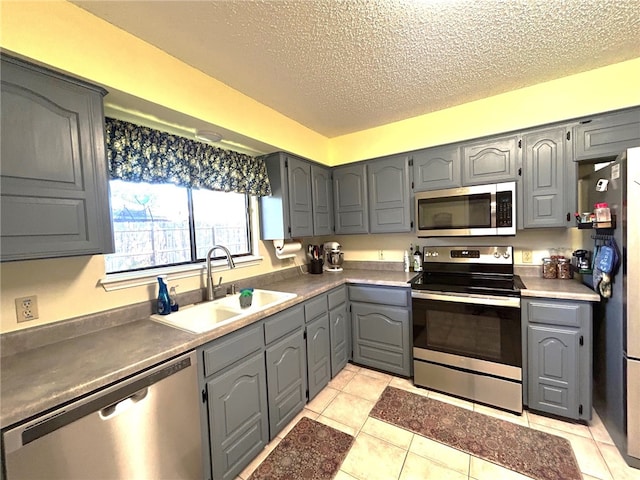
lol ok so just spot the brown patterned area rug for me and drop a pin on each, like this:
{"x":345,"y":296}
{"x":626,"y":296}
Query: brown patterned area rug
{"x":525,"y":450}
{"x":311,"y":450}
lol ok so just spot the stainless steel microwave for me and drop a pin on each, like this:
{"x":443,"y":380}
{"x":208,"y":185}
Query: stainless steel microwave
{"x":467,"y":211}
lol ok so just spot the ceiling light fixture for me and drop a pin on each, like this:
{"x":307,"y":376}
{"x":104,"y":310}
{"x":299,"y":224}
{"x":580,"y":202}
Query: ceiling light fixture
{"x":208,"y":136}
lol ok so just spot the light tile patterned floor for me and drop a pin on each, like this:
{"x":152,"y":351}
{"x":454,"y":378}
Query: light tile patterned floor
{"x":385,"y":452}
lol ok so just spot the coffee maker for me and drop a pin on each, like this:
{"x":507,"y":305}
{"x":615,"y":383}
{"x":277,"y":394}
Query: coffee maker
{"x":333,"y":257}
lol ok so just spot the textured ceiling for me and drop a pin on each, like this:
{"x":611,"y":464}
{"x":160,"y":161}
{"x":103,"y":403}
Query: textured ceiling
{"x":339,"y":66}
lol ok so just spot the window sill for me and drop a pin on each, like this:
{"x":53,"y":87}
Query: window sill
{"x":119,"y":281}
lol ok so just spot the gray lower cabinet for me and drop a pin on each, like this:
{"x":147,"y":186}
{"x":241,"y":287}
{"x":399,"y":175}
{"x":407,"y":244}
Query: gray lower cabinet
{"x":53,"y":175}
{"x":286,"y":362}
{"x":606,"y":136}
{"x":490,"y":161}
{"x":381,"y":320}
{"x":436,"y":168}
{"x":339,"y":329}
{"x":389,"y":195}
{"x":234,"y":394}
{"x":350,"y":199}
{"x":557,"y":355}
{"x":318,"y":354}
{"x":549,"y":179}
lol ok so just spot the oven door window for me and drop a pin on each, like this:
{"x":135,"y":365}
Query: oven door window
{"x":479,"y":331}
{"x":465,"y":211}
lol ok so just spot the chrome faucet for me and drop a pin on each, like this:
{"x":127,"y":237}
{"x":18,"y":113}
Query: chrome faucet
{"x":230,"y":263}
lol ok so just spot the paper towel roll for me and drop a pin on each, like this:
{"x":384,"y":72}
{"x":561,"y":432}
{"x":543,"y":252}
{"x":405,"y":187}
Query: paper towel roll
{"x":286,"y":250}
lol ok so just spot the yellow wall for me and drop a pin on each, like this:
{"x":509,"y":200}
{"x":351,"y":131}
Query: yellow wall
{"x":608,"y":88}
{"x":59,"y":34}
{"x":68,"y":38}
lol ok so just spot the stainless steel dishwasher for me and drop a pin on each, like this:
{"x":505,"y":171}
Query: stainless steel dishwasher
{"x":146,"y":427}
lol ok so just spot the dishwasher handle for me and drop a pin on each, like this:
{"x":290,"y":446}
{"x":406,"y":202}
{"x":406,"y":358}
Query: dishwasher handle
{"x":133,"y":389}
{"x":120,"y":406}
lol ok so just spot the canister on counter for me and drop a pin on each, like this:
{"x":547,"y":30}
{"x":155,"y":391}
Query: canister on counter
{"x":549,"y":268}
{"x":564,"y":269}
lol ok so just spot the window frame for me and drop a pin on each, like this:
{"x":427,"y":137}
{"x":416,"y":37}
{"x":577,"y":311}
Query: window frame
{"x":148,"y":276}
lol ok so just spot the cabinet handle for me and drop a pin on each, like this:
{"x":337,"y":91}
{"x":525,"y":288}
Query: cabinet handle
{"x":520,"y":172}
{"x":568,"y":217}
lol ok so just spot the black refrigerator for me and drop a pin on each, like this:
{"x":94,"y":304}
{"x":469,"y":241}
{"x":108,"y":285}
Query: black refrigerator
{"x":616,"y":328}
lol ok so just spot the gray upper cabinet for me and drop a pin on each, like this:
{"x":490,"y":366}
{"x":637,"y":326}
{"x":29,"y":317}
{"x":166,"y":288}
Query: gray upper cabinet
{"x":287,"y":213}
{"x":301,"y":204}
{"x":350,"y":199}
{"x":300,"y":198}
{"x":53,"y":175}
{"x":389,"y":195}
{"x":322,"y":189}
{"x":557,"y":357}
{"x":436,"y":168}
{"x":549,"y":179}
{"x":490,"y":161}
{"x":607,"y":135}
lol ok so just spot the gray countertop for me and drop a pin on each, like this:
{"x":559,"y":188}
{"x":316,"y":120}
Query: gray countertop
{"x":39,"y":379}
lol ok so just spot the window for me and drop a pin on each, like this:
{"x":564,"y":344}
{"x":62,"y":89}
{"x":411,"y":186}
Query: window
{"x":163,"y":224}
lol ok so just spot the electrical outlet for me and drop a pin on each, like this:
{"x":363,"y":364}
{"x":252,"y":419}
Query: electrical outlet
{"x":527,"y":256}
{"x":380,"y":255}
{"x":27,"y":308}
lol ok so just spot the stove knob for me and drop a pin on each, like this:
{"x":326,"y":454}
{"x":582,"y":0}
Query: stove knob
{"x":506,"y":255}
{"x":434,"y":254}
{"x":496,"y":254}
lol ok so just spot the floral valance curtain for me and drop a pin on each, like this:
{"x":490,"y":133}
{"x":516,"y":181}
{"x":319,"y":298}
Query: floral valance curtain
{"x":141,"y":154}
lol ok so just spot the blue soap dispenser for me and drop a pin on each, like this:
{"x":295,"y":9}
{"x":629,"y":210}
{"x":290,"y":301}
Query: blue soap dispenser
{"x":164,"y":303}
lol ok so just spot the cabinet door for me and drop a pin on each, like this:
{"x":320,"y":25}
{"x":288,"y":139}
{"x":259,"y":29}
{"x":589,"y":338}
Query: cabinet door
{"x":300,"y":210}
{"x":350,"y":199}
{"x":553,"y":360}
{"x":237,"y":409}
{"x":547,"y":192}
{"x":490,"y":161}
{"x":318,"y":358}
{"x":389,"y":195}
{"x":607,"y":136}
{"x":340,"y":332}
{"x":436,"y":168}
{"x":53,"y":173}
{"x":286,"y":380}
{"x":322,"y":189}
{"x":381,"y":337}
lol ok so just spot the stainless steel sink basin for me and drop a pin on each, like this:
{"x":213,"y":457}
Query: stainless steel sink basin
{"x":204,"y":317}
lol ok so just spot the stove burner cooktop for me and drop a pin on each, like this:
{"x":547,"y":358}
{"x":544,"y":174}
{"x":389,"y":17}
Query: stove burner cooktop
{"x":469,"y":270}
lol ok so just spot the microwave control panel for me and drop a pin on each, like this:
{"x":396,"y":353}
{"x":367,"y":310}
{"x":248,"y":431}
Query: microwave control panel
{"x":504,"y":208}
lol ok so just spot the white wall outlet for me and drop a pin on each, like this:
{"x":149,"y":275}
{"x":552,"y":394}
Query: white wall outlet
{"x":527,"y":256}
{"x":27,"y":308}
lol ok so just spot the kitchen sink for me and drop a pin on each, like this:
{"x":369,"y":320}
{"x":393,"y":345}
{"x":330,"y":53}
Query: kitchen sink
{"x":203,"y":317}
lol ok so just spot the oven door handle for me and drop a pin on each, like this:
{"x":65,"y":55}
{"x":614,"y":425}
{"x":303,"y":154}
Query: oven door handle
{"x":513,"y":302}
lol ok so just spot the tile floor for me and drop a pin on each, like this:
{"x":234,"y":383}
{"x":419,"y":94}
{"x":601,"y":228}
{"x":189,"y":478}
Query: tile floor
{"x":385,"y":452}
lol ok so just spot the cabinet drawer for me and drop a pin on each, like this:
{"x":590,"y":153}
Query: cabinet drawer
{"x":555,"y":313}
{"x":337,"y":297}
{"x":232,"y":348}
{"x":283,"y":323}
{"x":384,"y":295}
{"x":315,"y":308}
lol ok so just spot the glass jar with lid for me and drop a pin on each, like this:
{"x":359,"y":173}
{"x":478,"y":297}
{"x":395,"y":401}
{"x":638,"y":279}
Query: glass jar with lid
{"x":549,"y":268}
{"x":564,"y":269}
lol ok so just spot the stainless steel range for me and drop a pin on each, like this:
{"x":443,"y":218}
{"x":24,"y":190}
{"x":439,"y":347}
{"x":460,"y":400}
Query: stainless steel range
{"x":467,"y":338}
